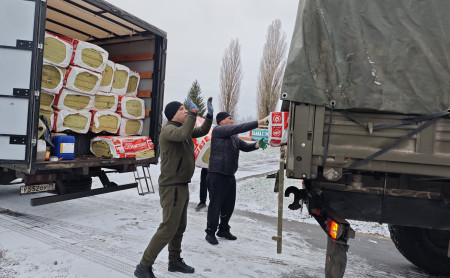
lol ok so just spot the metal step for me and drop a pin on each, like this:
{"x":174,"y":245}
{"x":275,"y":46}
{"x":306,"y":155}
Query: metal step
{"x":144,"y":180}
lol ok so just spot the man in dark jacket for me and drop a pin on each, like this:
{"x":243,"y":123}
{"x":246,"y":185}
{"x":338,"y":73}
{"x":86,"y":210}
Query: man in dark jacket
{"x":177,"y":168}
{"x":223,"y":164}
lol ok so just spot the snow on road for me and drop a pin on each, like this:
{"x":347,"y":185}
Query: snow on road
{"x":104,"y":236}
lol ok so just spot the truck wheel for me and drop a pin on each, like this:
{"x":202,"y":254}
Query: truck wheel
{"x":426,"y":248}
{"x":73,"y":185}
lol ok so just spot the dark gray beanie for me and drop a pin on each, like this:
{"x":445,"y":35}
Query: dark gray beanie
{"x":171,"y":109}
{"x":220,"y":116}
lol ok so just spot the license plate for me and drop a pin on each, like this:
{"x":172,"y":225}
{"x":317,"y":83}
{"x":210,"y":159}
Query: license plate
{"x":26,"y":189}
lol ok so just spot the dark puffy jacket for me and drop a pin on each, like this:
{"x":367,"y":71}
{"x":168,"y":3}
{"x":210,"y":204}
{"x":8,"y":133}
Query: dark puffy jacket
{"x":225,"y":147}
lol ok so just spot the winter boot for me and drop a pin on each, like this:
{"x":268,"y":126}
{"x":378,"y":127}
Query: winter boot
{"x":144,"y":272}
{"x":179,"y":265}
{"x":200,"y":206}
{"x":211,"y":238}
{"x":226,"y":234}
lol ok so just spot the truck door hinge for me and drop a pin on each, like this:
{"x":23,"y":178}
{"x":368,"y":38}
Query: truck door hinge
{"x":36,"y":93}
{"x":40,"y":45}
{"x":33,"y":141}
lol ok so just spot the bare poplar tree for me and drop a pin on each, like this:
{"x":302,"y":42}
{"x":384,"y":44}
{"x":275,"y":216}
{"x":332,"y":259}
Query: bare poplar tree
{"x":271,"y":69}
{"x":230,"y":78}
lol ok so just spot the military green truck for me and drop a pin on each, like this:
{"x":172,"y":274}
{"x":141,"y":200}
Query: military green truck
{"x":367,"y":85}
{"x":129,"y":41}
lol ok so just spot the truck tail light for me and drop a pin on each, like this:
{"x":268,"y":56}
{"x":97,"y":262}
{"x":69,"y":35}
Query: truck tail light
{"x":333,"y":228}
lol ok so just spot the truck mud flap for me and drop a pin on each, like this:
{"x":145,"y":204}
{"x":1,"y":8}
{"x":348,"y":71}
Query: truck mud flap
{"x":64,"y":197}
{"x":336,"y":259}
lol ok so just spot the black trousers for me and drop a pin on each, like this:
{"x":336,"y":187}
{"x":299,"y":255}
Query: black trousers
{"x":222,"y":196}
{"x":203,"y":185}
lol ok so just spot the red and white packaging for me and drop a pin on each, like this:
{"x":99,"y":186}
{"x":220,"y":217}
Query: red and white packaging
{"x":278,"y":126}
{"x":58,"y":103}
{"x":91,"y":80}
{"x":202,"y":146}
{"x":122,"y":107}
{"x":120,"y":79}
{"x":108,"y":85}
{"x":95,"y":123}
{"x":125,"y":146}
{"x":132,"y":92}
{"x":80,"y":48}
{"x":113,"y":97}
{"x":123,"y":127}
{"x":59,"y":116}
{"x":68,"y":49}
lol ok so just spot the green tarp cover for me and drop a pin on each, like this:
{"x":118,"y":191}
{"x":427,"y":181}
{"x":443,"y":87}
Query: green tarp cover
{"x":381,"y":55}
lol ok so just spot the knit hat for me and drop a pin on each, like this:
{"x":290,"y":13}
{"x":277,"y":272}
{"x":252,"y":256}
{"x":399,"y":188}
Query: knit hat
{"x":220,"y":116}
{"x":171,"y":109}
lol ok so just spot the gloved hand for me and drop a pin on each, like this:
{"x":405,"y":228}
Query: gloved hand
{"x":210,"y":107}
{"x":191,"y":104}
{"x":263,"y":144}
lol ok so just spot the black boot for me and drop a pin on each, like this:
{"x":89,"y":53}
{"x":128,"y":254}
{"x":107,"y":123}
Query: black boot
{"x":211,"y":238}
{"x":180,"y":266}
{"x":144,"y":272}
{"x":226,"y":234}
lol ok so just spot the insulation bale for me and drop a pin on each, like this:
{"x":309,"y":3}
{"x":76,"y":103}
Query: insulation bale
{"x":105,"y":101}
{"x":120,"y":80}
{"x":133,"y":83}
{"x":73,"y":101}
{"x":89,"y":56}
{"x":202,"y":146}
{"x":57,"y":51}
{"x":131,"y":107}
{"x":122,"y":146}
{"x":46,"y":98}
{"x":130,"y":127}
{"x":82,"y":80}
{"x":278,"y":126}
{"x":52,"y":79}
{"x":107,"y":77}
{"x":47,"y":112}
{"x":105,"y":121}
{"x":76,"y":121}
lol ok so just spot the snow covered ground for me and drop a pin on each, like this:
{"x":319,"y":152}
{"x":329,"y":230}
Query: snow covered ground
{"x":104,"y":236}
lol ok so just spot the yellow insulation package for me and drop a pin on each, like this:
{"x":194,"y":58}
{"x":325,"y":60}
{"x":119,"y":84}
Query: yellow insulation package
{"x":57,"y":51}
{"x":130,"y":127}
{"x":133,"y":83}
{"x":52,"y":79}
{"x":131,"y":107}
{"x":122,"y":146}
{"x":105,"y":121}
{"x":76,"y":121}
{"x":105,"y":101}
{"x":74,"y":101}
{"x":89,"y":56}
{"x":120,"y":80}
{"x":47,"y":112}
{"x":82,"y":80}
{"x":107,"y":77}
{"x":46,"y":98}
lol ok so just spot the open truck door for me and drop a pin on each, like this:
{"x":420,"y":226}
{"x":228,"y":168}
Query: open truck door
{"x":20,"y":52}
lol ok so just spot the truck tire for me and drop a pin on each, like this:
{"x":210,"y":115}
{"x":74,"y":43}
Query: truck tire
{"x":425,"y":248}
{"x":73,"y":185}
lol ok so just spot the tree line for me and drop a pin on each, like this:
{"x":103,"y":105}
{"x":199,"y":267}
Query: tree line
{"x":271,"y":71}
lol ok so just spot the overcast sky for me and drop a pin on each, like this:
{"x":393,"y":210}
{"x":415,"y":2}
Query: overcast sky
{"x":198,"y":32}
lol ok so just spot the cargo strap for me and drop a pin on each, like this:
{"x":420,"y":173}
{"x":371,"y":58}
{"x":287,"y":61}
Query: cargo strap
{"x":406,"y":121}
{"x":431,"y":120}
